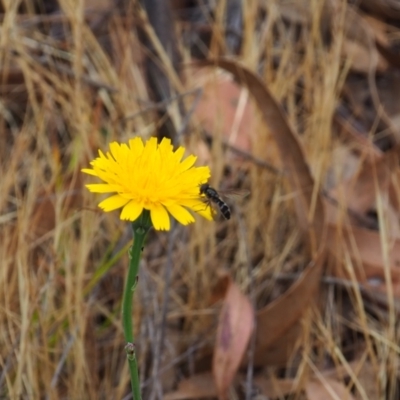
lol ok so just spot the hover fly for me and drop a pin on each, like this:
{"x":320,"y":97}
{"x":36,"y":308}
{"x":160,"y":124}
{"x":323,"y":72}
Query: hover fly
{"x":213,"y":197}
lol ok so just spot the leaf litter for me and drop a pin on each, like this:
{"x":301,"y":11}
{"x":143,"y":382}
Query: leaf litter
{"x":311,"y":300}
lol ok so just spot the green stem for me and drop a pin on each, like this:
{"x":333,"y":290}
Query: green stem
{"x":140,"y":228}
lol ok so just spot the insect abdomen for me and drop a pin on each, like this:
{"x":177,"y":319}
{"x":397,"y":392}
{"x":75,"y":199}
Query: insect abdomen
{"x":224,"y":208}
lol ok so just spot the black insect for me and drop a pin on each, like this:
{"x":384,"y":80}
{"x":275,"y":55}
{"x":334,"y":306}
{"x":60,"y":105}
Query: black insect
{"x":213,"y":197}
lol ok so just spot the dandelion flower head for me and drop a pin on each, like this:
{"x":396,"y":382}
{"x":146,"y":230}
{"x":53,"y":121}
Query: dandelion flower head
{"x":150,"y":176}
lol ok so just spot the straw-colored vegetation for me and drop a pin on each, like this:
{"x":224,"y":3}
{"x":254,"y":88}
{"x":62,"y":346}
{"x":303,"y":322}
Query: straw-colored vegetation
{"x":314,"y":247}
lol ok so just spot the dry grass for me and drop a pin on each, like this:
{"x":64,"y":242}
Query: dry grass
{"x":63,"y":266}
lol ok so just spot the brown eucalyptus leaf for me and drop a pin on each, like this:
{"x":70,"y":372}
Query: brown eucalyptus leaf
{"x":279,"y":316}
{"x":235,"y":326}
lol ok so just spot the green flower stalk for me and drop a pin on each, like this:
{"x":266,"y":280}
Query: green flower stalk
{"x":140,"y":228}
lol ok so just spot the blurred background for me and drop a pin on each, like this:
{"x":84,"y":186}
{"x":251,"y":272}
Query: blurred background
{"x":295,"y":102}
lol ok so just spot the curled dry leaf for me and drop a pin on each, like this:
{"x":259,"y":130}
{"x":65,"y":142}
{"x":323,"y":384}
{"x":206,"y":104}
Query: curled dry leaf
{"x":281,"y":315}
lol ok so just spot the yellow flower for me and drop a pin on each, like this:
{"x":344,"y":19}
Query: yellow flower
{"x":150,"y":176}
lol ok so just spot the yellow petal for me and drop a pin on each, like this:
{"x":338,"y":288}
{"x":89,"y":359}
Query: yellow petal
{"x":88,"y":171}
{"x":160,"y":218}
{"x":102,"y":155}
{"x":151,"y":146}
{"x":113,"y":202}
{"x":146,"y":160}
{"x":104,"y":174}
{"x":115,"y":150}
{"x":181,"y":214}
{"x":202,"y":174}
{"x":102,"y":188}
{"x":201,"y":208}
{"x":131,"y":211}
{"x":165,"y":147}
{"x":136,"y":146}
{"x":187,"y":163}
{"x":178,"y":154}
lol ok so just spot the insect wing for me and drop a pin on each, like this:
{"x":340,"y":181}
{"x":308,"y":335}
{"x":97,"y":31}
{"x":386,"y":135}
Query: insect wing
{"x":234,"y":194}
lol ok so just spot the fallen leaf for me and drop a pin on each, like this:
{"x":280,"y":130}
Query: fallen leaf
{"x":360,"y":191}
{"x":195,"y":387}
{"x":328,"y":389}
{"x":359,"y":44}
{"x":358,"y":194}
{"x":362,"y":57}
{"x":362,"y":370}
{"x":221,"y":287}
{"x":235,"y":326}
{"x":224,"y":109}
{"x":363,"y":247}
{"x":368,"y":378}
